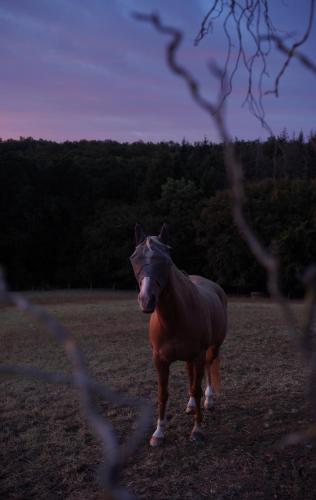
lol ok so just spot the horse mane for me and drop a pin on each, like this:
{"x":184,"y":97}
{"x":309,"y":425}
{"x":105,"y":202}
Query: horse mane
{"x":186,"y":291}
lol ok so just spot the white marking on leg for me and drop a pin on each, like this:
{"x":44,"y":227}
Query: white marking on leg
{"x":209,"y":392}
{"x":209,"y":402}
{"x":191,"y":405}
{"x":160,"y":431}
{"x":192,"y":402}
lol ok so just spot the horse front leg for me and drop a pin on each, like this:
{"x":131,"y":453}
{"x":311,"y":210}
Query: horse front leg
{"x":162,"y":368}
{"x":198,"y":371}
{"x":190,"y":409}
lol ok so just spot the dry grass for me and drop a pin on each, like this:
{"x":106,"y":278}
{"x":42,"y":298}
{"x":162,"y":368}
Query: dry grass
{"x":47,"y":451}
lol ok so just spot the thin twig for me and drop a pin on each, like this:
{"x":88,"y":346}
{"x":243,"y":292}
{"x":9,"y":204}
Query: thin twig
{"x":241,"y":19}
{"x":291,"y":52}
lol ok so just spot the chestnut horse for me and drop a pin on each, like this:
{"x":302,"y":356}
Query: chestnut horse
{"x":188,"y":323}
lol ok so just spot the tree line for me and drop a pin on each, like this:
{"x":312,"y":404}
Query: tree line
{"x":67,"y":210}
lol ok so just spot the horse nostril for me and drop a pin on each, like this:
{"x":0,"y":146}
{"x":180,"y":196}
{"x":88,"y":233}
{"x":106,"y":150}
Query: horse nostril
{"x":147,"y":303}
{"x":151,"y":301}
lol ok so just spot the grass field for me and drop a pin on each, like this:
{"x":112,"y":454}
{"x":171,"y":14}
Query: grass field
{"x":48,"y":452}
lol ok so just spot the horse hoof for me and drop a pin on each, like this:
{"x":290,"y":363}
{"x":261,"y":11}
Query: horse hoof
{"x":197,"y":437}
{"x":209,"y":404}
{"x":190,"y":410}
{"x":156,"y":442}
{"x":210,"y":410}
{"x":209,"y":407}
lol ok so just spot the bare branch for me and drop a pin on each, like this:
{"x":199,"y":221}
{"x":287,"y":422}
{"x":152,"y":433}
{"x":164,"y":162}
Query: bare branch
{"x":291,"y":52}
{"x":253,"y":18}
{"x":304,"y":60}
{"x":114,"y":455}
{"x":176,"y":39}
{"x":206,"y":24}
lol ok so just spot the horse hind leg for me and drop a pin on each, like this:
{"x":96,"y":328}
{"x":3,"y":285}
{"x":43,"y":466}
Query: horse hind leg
{"x":191,"y":406}
{"x":212,"y":380}
{"x":209,"y":402}
{"x":197,"y":434}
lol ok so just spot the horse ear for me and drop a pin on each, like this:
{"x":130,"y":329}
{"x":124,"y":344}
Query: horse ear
{"x":164,"y":234}
{"x":139,"y":234}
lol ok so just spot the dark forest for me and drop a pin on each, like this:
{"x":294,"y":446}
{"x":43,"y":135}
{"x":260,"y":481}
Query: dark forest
{"x":68,"y":210}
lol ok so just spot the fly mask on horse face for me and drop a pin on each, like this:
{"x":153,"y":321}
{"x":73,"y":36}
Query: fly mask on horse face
{"x":151,"y":263}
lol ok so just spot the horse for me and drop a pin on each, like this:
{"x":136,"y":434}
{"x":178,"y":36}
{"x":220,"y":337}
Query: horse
{"x":188,"y":322}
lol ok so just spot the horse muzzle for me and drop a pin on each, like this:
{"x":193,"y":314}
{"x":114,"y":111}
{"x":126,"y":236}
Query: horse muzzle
{"x":147,"y":304}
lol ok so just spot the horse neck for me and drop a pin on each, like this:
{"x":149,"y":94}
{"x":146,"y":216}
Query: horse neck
{"x":176,"y":297}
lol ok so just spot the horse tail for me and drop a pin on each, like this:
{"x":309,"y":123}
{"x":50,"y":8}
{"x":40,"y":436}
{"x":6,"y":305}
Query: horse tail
{"x":215,"y":375}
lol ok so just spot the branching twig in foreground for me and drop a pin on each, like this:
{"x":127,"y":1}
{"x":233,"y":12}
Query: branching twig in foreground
{"x":247,"y":26}
{"x":235,"y":176}
{"x":114,"y":455}
{"x":292,"y":51}
{"x":302,"y":58}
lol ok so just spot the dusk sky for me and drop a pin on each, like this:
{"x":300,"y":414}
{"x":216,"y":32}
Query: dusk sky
{"x":85,"y":69}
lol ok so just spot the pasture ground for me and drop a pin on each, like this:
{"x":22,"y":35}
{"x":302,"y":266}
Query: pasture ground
{"x":48,"y":452}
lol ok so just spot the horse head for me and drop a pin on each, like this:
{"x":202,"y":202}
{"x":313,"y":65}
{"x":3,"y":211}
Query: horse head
{"x":151,"y":263}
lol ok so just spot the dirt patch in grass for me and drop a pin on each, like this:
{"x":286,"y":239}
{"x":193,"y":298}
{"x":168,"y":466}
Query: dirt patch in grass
{"x":47,"y":450}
